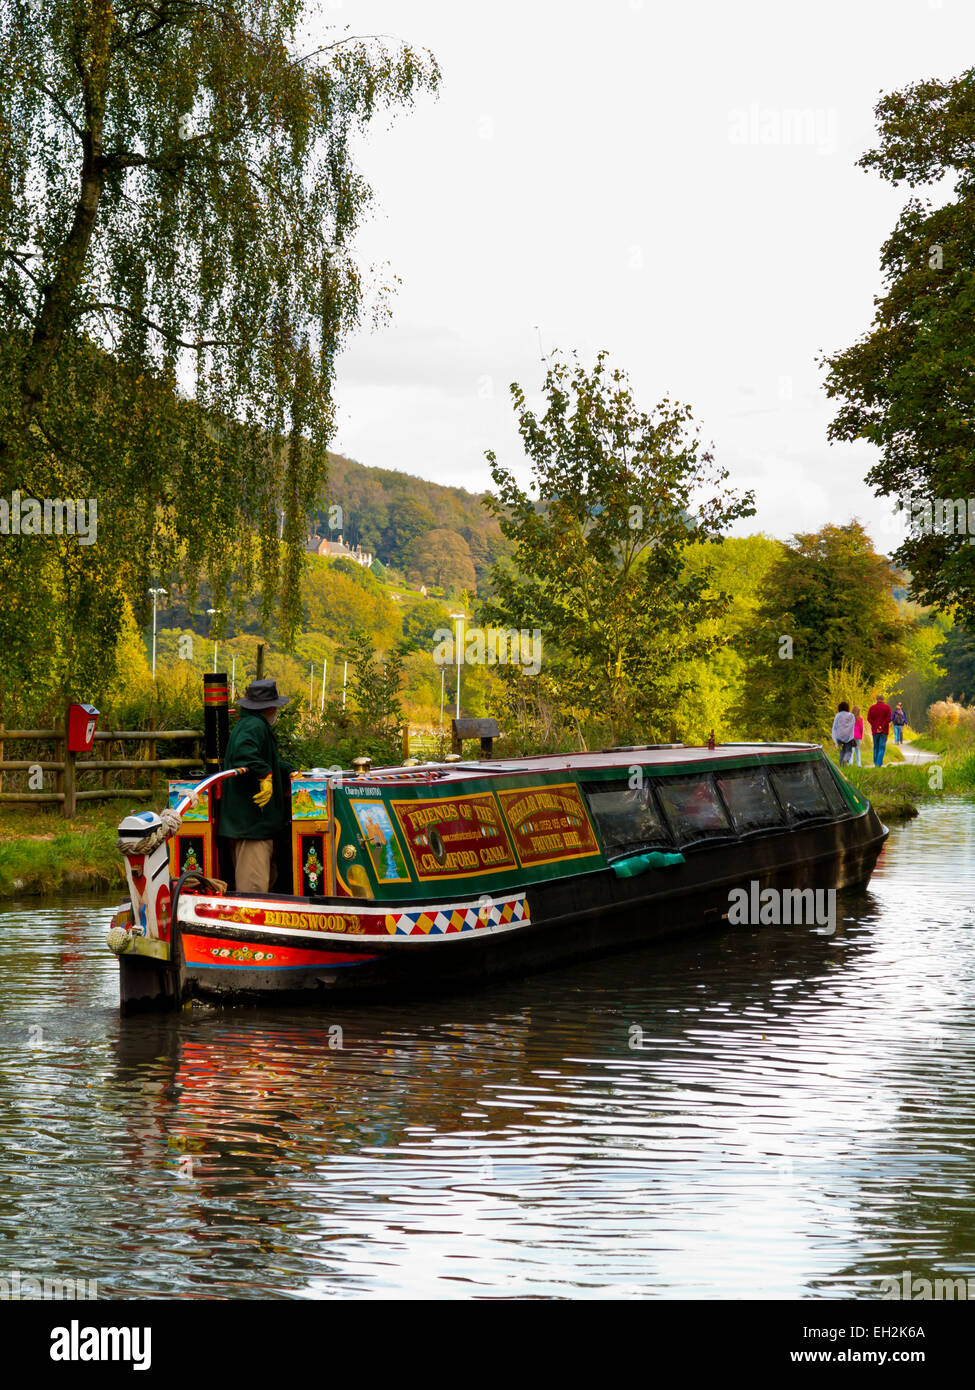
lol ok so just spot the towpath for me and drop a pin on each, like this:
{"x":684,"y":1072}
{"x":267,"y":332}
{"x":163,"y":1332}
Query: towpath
{"x":917,"y":755}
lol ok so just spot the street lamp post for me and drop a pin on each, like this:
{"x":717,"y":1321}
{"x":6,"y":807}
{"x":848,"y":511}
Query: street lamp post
{"x":155,"y":593}
{"x":459,"y":620}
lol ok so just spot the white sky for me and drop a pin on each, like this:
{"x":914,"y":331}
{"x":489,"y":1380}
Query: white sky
{"x":619,"y":175}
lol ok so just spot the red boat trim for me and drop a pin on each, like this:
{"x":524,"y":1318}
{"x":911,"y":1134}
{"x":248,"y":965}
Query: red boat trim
{"x":219,"y":953}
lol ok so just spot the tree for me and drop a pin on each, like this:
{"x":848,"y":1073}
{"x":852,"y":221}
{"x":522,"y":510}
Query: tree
{"x":922,"y":680}
{"x":178,"y":200}
{"x":827,"y":604}
{"x":957,"y":655}
{"x":337,"y":603}
{"x":370,"y":720}
{"x":358,"y":574}
{"x":440,"y":558}
{"x":406,"y":521}
{"x":908,"y":385}
{"x":422,"y":622}
{"x":616,"y":498}
{"x":736,"y":569}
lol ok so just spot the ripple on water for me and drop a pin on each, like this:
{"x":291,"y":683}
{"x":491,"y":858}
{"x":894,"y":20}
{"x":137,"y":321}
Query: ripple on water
{"x":765,"y":1112}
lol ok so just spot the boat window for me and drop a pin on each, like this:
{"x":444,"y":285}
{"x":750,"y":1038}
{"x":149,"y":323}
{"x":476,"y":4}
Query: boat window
{"x":800,"y":792}
{"x":627,"y":817}
{"x":749,"y":797}
{"x":835,"y":797}
{"x":693,"y":808}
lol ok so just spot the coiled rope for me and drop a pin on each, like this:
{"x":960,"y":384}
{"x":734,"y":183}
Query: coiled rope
{"x":169,"y":824}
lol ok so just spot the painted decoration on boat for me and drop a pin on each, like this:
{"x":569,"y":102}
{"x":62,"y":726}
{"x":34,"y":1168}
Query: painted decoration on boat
{"x":201,"y":811}
{"x":192,"y":853}
{"x":309,"y":799}
{"x":441,"y":921}
{"x":240,"y":914}
{"x":549,"y":823}
{"x":455,"y":837}
{"x":447,"y":919}
{"x":312,"y":855}
{"x":380,"y":837}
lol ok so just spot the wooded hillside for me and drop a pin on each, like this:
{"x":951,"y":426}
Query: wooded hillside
{"x":393,"y":514}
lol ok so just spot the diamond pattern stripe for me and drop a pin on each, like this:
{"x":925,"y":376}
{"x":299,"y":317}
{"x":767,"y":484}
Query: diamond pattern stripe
{"x":458,"y":919}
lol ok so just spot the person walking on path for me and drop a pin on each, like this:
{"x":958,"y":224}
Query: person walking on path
{"x":256,"y":808}
{"x":857,"y":734}
{"x":899,"y":720}
{"x":842,"y":732}
{"x":878,"y":717}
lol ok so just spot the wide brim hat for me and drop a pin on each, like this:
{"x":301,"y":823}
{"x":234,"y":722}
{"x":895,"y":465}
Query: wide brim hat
{"x":262,"y":694}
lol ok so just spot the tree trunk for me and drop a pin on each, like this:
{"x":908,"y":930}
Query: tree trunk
{"x":92,"y":57}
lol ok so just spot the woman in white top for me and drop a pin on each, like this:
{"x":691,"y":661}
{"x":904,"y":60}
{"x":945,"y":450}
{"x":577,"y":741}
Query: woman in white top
{"x":842,"y":732}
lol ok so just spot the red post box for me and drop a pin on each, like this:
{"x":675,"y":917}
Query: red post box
{"x":82,"y":723}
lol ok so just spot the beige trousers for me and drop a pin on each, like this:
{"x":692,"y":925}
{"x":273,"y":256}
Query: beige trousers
{"x":254,"y":867}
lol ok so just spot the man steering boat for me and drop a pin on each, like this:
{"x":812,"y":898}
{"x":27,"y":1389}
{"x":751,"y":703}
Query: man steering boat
{"x":256,"y":809}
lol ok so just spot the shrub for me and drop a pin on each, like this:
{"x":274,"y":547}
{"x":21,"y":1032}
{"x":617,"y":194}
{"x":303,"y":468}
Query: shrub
{"x":949,"y":720}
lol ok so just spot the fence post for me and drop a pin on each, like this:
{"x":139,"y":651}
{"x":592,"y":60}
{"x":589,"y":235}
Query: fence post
{"x":60,"y":740}
{"x":69,"y":777}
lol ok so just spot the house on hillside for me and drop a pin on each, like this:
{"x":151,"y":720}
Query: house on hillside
{"x":338,"y":550}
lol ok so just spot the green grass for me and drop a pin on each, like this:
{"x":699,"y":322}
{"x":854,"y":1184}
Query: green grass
{"x":895,"y":791}
{"x":41,"y":852}
{"x":928,"y":743}
{"x":898,"y":789}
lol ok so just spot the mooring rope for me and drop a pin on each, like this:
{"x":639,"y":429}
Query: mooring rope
{"x":169,"y":824}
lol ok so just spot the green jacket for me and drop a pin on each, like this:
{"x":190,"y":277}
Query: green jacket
{"x":253,"y":745}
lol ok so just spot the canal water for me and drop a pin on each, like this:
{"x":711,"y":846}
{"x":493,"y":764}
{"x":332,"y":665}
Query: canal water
{"x":763,"y":1112}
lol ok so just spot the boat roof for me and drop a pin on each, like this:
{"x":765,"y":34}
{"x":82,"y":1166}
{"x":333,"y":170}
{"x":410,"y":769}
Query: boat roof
{"x":644,"y":755}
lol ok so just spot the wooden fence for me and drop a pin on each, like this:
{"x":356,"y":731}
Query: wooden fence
{"x":68,"y":767}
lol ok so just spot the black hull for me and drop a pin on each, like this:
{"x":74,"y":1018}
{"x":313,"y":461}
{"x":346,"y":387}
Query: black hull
{"x":571,"y":919}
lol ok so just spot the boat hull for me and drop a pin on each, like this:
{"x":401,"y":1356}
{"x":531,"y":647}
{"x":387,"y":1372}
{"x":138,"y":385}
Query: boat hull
{"x":240,"y":950}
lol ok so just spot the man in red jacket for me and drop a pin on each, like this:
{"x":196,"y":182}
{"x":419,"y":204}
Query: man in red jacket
{"x":878,"y":717}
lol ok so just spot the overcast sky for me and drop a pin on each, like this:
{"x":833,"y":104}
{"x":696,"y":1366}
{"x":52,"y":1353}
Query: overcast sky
{"x":635,"y":176}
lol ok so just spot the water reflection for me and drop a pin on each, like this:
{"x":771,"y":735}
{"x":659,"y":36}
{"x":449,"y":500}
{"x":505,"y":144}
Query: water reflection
{"x":768,"y":1112}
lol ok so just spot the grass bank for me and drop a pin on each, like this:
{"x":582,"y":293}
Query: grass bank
{"x":42,"y":853}
{"x":898,"y":789}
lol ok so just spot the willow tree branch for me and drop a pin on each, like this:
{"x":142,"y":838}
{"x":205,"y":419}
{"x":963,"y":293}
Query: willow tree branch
{"x":17,"y":260}
{"x":108,"y":305}
{"x":56,"y":102}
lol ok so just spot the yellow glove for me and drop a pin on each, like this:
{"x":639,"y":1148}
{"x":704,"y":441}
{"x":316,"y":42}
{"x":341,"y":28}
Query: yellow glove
{"x":262,"y":797}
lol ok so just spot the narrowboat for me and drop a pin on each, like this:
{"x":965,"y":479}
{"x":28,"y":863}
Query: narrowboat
{"x":403,"y":879}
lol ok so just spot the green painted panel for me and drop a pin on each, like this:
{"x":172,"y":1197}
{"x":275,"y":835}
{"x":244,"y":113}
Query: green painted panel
{"x":472,"y":885}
